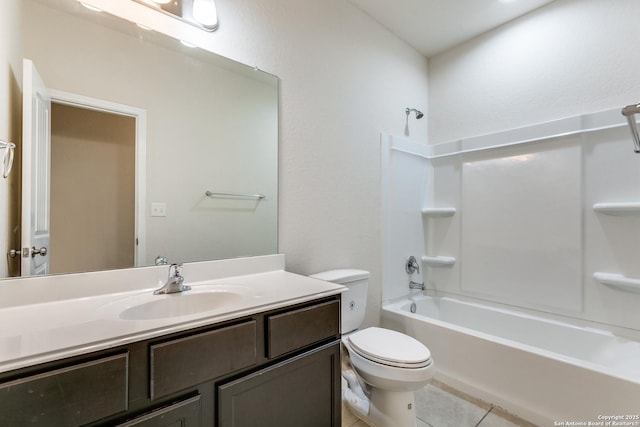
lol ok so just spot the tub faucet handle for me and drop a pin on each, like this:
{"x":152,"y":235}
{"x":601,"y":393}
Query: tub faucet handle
{"x":412,"y":266}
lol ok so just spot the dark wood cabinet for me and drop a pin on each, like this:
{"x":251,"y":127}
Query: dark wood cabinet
{"x":72,"y":395}
{"x":277,"y":368}
{"x":301,"y":391}
{"x":295,"y":329}
{"x":186,"y":362}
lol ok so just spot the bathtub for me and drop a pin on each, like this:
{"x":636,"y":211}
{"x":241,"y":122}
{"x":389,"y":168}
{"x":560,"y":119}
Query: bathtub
{"x":546,"y":371}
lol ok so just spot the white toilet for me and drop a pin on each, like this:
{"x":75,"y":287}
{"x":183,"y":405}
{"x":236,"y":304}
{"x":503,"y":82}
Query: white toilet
{"x":391,"y":365}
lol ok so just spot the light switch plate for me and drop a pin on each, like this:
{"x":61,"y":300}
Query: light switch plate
{"x":158,"y":209}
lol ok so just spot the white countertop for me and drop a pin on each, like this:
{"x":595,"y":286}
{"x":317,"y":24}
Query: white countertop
{"x":54,"y":329}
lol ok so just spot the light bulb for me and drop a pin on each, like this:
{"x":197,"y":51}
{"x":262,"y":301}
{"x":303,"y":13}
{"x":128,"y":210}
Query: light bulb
{"x":204,"y":12}
{"x":91,"y":7}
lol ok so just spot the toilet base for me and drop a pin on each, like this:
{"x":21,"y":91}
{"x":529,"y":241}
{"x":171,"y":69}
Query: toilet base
{"x":388,"y":409}
{"x":393,"y":408}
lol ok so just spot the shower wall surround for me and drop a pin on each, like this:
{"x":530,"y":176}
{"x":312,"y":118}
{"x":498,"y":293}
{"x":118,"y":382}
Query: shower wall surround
{"x":525,"y":232}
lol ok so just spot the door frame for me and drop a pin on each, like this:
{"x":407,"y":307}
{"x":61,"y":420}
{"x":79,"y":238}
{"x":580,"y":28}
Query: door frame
{"x":140,"y":116}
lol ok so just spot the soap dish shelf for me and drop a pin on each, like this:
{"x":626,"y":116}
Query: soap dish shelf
{"x":618,"y":281}
{"x":438,"y":261}
{"x":618,"y":209}
{"x":438,"y":212}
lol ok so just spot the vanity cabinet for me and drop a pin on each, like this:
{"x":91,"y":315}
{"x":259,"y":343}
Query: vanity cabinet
{"x":277,"y":368}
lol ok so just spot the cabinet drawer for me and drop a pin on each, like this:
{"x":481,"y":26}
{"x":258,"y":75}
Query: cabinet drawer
{"x":287,"y":332}
{"x":187,"y":362}
{"x":70,"y":396}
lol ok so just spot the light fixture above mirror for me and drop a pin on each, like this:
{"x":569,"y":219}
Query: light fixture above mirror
{"x":200,"y":13}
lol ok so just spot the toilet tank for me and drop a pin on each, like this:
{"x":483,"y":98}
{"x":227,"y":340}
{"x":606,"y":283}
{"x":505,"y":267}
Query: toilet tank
{"x":354,"y":300}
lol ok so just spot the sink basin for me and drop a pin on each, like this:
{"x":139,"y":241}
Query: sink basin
{"x":148,"y":307}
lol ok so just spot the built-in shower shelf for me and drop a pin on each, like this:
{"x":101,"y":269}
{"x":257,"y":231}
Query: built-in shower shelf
{"x":438,"y":261}
{"x":618,"y":209}
{"x":438,"y":212}
{"x":618,"y":281}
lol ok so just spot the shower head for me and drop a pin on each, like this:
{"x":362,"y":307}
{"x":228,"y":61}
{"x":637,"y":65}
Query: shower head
{"x":629,"y":112}
{"x":419,"y":114}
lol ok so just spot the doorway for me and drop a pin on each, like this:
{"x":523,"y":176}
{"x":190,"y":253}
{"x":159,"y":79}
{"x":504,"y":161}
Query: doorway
{"x":92,"y":189}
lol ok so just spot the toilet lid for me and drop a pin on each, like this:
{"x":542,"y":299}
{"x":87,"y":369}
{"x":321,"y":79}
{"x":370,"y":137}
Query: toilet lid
{"x":390,"y":348}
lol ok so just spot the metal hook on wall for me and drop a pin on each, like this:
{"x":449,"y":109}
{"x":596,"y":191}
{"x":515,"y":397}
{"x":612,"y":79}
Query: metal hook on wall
{"x":7,"y":157}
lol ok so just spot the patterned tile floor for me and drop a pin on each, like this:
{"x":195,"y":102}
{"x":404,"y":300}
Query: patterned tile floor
{"x":438,"y":405}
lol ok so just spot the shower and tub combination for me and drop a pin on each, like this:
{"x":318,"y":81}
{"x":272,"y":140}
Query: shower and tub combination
{"x":530,"y":296}
{"x":543,"y":370}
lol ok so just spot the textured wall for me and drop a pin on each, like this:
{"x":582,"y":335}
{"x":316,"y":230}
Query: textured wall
{"x":565,"y":59}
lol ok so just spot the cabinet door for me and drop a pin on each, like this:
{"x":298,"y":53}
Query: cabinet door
{"x":181,"y":414}
{"x":302,"y":391}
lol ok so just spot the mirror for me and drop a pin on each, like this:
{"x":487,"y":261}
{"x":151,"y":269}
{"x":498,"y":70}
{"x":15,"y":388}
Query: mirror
{"x":203,"y":123}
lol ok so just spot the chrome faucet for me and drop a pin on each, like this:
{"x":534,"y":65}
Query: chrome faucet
{"x":161,"y":260}
{"x":416,"y":285}
{"x":174,"y":282}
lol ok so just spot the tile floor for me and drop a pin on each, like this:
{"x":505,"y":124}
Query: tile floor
{"x":438,"y":405}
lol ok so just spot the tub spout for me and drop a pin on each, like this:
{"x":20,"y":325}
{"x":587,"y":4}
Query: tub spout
{"x":416,"y":285}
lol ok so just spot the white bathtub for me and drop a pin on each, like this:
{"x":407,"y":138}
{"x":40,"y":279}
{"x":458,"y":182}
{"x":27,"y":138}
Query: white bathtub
{"x":546,"y":371}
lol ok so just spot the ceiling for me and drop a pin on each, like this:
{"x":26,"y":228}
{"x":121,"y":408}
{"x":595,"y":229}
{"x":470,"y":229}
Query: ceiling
{"x":433,"y":26}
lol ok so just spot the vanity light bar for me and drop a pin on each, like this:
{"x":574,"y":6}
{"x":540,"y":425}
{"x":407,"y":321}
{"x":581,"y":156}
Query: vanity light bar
{"x":200,"y":13}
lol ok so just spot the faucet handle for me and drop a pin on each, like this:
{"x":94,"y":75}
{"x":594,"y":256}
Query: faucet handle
{"x":412,"y":266}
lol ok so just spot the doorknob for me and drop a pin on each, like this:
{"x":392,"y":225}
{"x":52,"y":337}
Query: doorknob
{"x":42,"y":251}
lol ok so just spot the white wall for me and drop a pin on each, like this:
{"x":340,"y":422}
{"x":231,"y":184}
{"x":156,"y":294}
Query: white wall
{"x":565,"y":59}
{"x":10,"y":122}
{"x":343,"y":80}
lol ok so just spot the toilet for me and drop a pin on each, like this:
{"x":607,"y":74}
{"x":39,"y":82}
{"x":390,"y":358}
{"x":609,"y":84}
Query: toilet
{"x":382,"y":368}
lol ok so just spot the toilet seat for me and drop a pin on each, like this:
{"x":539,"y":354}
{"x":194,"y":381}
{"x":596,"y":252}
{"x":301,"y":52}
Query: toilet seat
{"x":390,"y":348}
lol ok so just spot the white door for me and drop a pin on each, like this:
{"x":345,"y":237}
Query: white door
{"x":36,"y":161}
